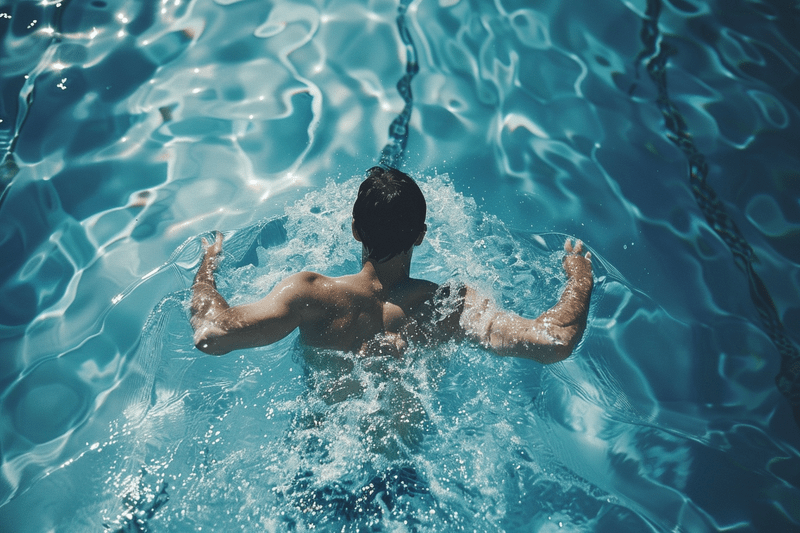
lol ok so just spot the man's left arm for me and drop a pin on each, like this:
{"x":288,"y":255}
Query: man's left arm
{"x":549,"y":338}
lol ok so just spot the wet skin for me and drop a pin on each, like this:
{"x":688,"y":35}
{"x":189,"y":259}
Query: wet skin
{"x":381,"y":309}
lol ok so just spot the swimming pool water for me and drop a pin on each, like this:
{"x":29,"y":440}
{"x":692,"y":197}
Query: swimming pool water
{"x":663,"y":134}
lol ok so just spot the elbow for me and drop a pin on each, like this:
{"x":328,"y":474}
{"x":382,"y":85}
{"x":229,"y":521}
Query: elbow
{"x":557,"y":353}
{"x":210,"y":337}
{"x":546,"y":354}
{"x":564,"y":341}
{"x":209,"y":345}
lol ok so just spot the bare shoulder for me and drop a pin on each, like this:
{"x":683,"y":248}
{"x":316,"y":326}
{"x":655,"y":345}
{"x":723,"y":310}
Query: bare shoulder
{"x":304,"y":278}
{"x":311,"y":288}
{"x":305,"y":295}
{"x":308,"y":278}
{"x":299,"y":286}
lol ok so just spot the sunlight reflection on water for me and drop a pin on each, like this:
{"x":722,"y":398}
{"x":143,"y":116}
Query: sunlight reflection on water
{"x":137,"y":127}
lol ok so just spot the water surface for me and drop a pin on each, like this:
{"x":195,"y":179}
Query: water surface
{"x":662,"y":134}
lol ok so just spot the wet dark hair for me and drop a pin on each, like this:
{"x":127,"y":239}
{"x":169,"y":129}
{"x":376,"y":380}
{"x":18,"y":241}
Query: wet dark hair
{"x":389,"y":213}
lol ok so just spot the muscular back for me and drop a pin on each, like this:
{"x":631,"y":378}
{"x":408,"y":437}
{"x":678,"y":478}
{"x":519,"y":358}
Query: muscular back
{"x":357,"y":314}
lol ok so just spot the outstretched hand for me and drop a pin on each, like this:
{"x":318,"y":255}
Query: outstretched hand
{"x":576,"y":263}
{"x":213,"y":249}
{"x":207,"y":304}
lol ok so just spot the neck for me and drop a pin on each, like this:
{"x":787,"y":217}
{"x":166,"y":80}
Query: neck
{"x":391,"y":272}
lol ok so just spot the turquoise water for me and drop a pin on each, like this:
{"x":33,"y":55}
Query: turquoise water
{"x":662,"y":134}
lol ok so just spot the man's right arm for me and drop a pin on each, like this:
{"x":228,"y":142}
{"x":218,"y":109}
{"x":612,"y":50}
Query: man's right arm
{"x":549,"y":338}
{"x":220,"y":328}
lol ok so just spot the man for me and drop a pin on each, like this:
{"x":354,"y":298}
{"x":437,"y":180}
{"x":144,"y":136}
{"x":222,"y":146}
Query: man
{"x":381,"y":309}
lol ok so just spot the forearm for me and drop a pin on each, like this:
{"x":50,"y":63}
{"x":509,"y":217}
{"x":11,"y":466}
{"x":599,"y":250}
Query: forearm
{"x":205,"y":273}
{"x":220,"y":328}
{"x":207,"y":304}
{"x":561,"y":327}
{"x":206,"y":301}
{"x":572,"y":308}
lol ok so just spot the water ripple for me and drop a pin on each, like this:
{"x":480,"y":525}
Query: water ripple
{"x":129,"y":128}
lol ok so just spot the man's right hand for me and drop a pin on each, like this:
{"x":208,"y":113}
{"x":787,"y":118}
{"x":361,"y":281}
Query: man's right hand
{"x":214,"y":249}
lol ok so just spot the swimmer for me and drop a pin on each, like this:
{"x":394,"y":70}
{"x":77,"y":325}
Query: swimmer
{"x":381,"y":309}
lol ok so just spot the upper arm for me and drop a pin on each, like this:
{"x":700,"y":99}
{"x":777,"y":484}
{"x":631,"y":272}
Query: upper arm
{"x":479,"y":317}
{"x":259,"y":323}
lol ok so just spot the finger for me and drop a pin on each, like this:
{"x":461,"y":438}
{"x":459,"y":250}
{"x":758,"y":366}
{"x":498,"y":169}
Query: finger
{"x":568,"y":245}
{"x":219,"y":236}
{"x":589,"y":256}
{"x":578,"y":246}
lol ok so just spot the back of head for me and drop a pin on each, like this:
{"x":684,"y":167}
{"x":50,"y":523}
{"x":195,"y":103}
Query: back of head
{"x":389,"y":213}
